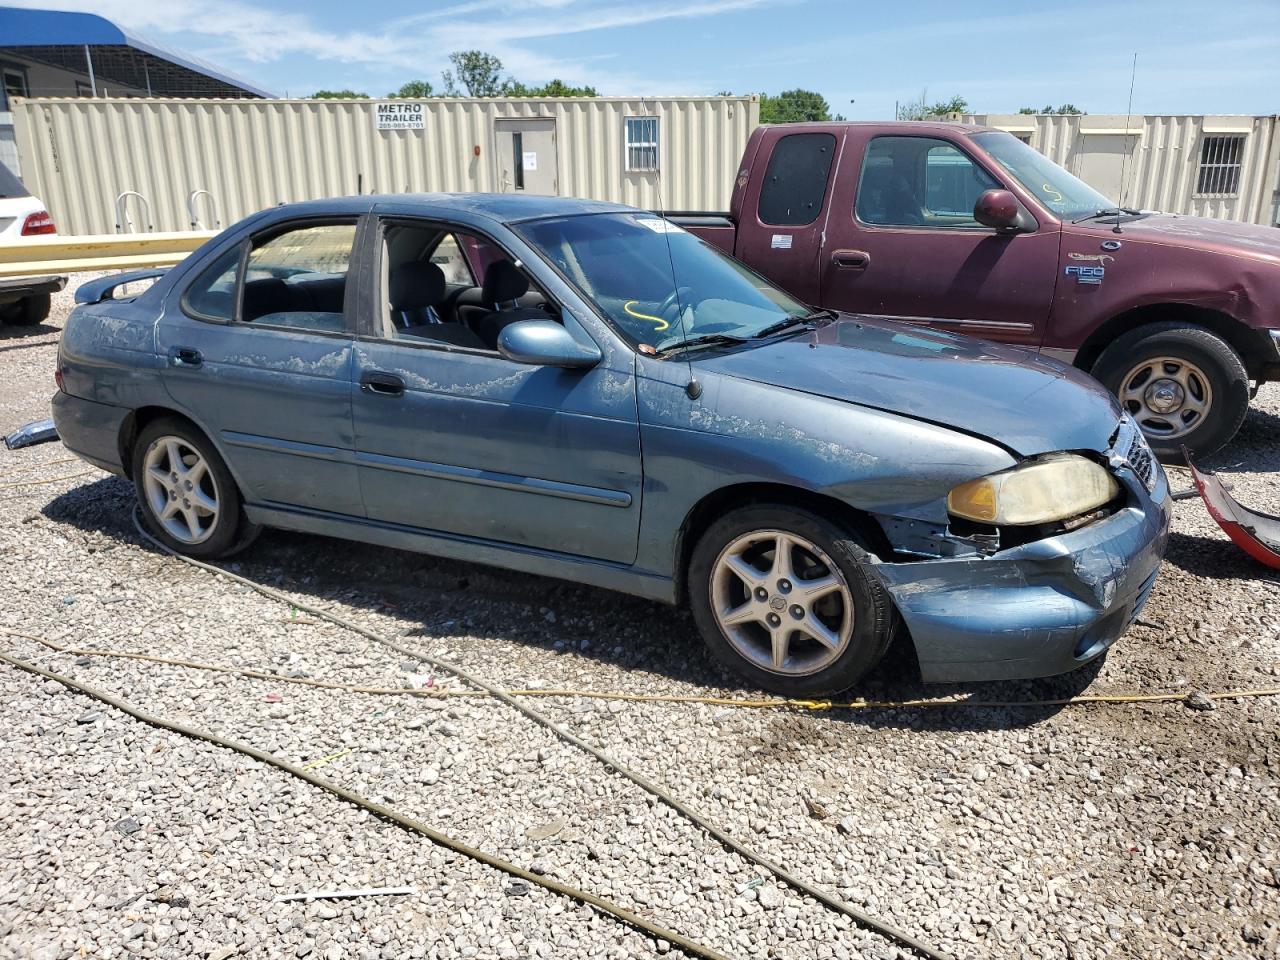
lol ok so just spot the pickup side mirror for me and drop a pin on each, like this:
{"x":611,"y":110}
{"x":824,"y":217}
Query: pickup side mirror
{"x":545,"y":343}
{"x":1000,"y":210}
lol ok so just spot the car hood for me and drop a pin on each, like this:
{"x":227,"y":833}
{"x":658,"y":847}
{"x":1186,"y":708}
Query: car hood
{"x":1024,"y":402}
{"x":1201,"y":233}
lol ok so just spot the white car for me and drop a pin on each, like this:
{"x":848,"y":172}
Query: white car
{"x":23,"y":300}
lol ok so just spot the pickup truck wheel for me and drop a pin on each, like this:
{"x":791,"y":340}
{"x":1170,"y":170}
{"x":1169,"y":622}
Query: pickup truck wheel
{"x":189,"y":499}
{"x":28,"y":311}
{"x":1183,"y":385}
{"x":784,"y":597}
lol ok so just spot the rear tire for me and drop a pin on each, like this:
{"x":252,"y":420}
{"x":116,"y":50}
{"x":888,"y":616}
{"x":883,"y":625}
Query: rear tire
{"x":28,"y":311}
{"x":188,"y":498}
{"x":811,"y":625}
{"x":1183,"y":384}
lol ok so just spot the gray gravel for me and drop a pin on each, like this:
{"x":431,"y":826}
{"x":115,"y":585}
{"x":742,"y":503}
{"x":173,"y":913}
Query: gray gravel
{"x":1121,"y":831}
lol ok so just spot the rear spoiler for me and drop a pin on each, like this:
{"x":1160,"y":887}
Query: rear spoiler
{"x":95,"y":291}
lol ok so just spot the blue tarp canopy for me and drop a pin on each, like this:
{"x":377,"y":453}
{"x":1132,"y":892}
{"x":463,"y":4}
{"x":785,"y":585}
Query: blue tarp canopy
{"x":59,"y":40}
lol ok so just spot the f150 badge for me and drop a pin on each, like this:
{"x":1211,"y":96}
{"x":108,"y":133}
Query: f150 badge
{"x":1082,"y":274}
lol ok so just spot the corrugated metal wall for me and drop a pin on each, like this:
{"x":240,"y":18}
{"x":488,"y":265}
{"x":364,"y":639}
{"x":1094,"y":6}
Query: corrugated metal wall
{"x":80,"y":154}
{"x":1164,"y":155}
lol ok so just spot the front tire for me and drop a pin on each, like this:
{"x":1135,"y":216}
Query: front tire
{"x":785,"y":598}
{"x":188,"y":498}
{"x":1183,"y":385}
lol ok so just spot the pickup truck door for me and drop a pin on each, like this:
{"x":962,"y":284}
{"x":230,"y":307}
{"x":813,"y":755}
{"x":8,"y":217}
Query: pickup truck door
{"x":901,"y":241}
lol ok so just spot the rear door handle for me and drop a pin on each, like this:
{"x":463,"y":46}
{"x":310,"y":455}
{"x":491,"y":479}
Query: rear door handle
{"x":383,"y":384}
{"x":185,"y":357}
{"x":850,"y":259}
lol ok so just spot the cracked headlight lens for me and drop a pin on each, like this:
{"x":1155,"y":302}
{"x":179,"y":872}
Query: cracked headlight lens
{"x":1052,"y":488}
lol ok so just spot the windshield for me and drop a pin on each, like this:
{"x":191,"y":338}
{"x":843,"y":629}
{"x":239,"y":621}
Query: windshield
{"x":10,"y":185}
{"x":1064,"y":194}
{"x":659,"y":285}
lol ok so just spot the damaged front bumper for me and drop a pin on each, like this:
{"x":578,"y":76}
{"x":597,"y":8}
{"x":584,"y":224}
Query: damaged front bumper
{"x":1039,"y":609}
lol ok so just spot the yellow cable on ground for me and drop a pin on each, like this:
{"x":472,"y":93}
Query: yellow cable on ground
{"x":560,"y":693}
{"x":36,"y":483}
{"x":555,"y":886}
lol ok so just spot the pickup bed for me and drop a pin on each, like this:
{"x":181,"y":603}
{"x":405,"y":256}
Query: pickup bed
{"x":969,"y":229}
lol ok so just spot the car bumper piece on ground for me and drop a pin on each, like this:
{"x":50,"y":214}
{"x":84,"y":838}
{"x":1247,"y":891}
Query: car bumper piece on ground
{"x":1036,"y":610}
{"x":1257,"y":534}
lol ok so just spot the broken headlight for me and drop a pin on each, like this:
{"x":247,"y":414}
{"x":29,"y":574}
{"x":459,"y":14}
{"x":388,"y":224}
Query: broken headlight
{"x":1056,"y":487}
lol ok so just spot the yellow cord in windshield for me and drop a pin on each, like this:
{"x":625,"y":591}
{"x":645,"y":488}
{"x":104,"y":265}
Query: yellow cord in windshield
{"x":661,"y":324}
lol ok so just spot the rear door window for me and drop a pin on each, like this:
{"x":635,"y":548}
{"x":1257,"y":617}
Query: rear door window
{"x":795,"y":181}
{"x":299,"y":278}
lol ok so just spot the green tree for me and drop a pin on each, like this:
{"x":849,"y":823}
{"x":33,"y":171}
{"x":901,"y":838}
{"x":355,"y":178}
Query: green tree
{"x":1067,"y":109}
{"x":922,"y":109}
{"x":794,"y":106}
{"x":413,"y":90}
{"x":338,"y":95}
{"x":476,"y":72}
{"x":555,"y":88}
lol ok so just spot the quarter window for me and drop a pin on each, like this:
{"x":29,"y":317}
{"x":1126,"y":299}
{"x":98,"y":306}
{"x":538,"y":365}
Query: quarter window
{"x":1220,"y":161}
{"x":919,"y":182}
{"x":212,"y":296}
{"x":642,"y":144}
{"x":796,"y":179}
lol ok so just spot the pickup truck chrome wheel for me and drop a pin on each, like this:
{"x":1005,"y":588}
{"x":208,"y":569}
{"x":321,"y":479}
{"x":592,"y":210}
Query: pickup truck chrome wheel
{"x":181,"y":491}
{"x":1168,"y":396}
{"x":781,"y":602}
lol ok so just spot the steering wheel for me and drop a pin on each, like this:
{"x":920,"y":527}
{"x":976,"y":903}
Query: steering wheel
{"x":678,"y":297}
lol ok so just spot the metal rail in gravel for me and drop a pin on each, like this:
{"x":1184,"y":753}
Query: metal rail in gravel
{"x":884,"y":929}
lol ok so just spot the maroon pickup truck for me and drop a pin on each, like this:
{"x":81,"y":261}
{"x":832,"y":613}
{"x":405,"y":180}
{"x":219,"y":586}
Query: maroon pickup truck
{"x":969,"y":229}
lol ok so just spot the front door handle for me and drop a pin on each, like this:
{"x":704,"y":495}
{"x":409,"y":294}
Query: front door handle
{"x":185,"y":357}
{"x":383,"y":384}
{"x":850,"y":259}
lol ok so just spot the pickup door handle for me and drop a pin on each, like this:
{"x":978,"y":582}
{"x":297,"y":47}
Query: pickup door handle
{"x":185,"y":357}
{"x":383,"y":384}
{"x":850,"y":259}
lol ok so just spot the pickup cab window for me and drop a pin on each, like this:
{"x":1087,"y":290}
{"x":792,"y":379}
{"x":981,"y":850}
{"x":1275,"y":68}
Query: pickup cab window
{"x":919,"y":182}
{"x":796,"y":179}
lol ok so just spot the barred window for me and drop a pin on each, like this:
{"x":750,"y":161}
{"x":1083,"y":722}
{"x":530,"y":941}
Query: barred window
{"x":642,"y":144}
{"x":1220,"y":162}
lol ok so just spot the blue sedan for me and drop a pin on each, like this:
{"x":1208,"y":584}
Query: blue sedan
{"x":583,"y":390}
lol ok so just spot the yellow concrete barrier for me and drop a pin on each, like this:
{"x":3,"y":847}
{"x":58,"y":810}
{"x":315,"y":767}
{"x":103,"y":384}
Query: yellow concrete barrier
{"x":49,"y":255}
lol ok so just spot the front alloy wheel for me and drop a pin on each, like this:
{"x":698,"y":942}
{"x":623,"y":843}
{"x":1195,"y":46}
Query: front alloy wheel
{"x":786,"y":597}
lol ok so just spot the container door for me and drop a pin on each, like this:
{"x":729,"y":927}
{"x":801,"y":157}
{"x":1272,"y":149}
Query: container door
{"x":526,"y":152}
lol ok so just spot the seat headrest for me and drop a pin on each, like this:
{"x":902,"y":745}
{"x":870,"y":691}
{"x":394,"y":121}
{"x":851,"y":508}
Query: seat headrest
{"x":266,"y":296}
{"x":416,"y":285}
{"x":503,"y":281}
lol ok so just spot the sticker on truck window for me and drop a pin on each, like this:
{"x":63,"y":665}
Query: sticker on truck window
{"x":781,"y":241}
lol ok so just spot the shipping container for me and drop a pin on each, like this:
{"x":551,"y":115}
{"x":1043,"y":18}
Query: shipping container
{"x":140,"y":164}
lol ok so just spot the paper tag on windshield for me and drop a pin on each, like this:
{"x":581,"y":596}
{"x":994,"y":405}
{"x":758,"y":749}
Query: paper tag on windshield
{"x":781,"y":241}
{"x":658,"y":225}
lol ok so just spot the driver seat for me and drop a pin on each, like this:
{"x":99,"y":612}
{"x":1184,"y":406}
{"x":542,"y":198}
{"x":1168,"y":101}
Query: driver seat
{"x":504,"y":285}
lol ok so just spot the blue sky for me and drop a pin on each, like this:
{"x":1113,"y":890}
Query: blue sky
{"x":1193,"y":57}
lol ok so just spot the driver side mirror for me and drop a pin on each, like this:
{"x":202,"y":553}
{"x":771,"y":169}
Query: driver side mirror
{"x":545,"y":343}
{"x":1000,"y":210}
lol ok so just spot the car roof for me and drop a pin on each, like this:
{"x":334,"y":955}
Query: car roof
{"x":502,"y":207}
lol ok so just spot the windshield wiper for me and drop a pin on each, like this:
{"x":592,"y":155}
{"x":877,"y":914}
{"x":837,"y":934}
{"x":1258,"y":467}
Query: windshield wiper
{"x":701,"y":340}
{"x":810,"y":320}
{"x":1109,"y":212}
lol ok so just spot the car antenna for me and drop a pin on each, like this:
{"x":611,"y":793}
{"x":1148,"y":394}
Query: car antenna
{"x":1125,"y":156}
{"x":693,"y":388}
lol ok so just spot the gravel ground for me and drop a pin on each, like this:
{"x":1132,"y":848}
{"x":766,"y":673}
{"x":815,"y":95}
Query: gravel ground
{"x":1110,"y":831}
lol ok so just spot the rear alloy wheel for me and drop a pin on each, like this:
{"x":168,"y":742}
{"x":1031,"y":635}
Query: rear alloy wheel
{"x":784,"y":597}
{"x":188,"y":497}
{"x":1183,"y":385}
